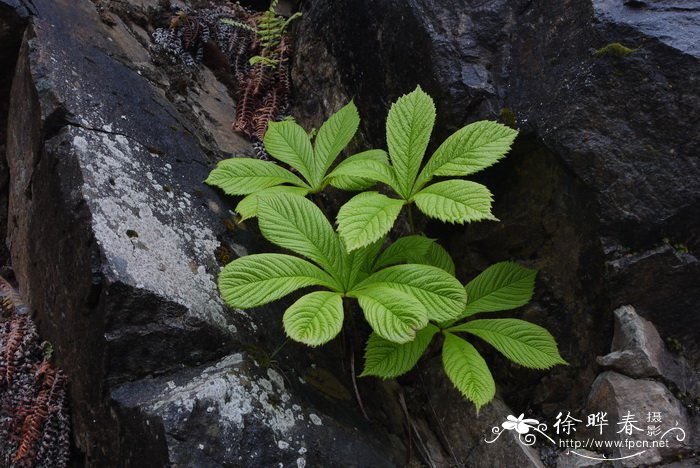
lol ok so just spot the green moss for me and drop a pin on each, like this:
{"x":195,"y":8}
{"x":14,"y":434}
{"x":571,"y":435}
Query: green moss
{"x":507,"y":116}
{"x":675,"y":346}
{"x":614,"y":50}
{"x":681,"y":248}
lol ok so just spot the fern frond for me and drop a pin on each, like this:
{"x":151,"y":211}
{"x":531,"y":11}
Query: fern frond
{"x":34,"y":422}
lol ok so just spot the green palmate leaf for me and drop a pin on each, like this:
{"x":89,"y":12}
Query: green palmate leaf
{"x":255,"y":280}
{"x":522,"y":342}
{"x":334,"y":135}
{"x":468,"y":150}
{"x":416,"y":249}
{"x":456,"y":201}
{"x":442,"y":296}
{"x":315,"y":318}
{"x":362,"y":170}
{"x":439,"y":257}
{"x":366,"y":218}
{"x":392,"y":314}
{"x":404,"y":250}
{"x":360,"y":262}
{"x":387,"y":359}
{"x":286,"y":141}
{"x":467,"y":370}
{"x":408,"y":128}
{"x":248,"y":207}
{"x":241,"y":176}
{"x":502,"y":286}
{"x":351,"y":184}
{"x":295,"y":223}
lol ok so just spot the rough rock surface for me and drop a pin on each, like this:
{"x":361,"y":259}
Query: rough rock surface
{"x":112,"y":233}
{"x":464,"y":432}
{"x":619,"y":396}
{"x":13,"y":19}
{"x":602,"y":189}
{"x":113,"y":237}
{"x":637,"y":349}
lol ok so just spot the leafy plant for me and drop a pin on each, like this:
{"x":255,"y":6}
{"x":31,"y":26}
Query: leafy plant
{"x":397,"y":300}
{"x":269,"y":30}
{"x":406,"y":290}
{"x":503,"y":286}
{"x":370,"y":215}
{"x":289,"y":143}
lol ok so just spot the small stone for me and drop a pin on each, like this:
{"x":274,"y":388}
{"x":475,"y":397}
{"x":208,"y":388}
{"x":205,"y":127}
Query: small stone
{"x":638,"y":351}
{"x":639,"y":401}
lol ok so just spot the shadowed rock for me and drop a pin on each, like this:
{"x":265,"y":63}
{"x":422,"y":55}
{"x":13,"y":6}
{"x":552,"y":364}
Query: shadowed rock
{"x":112,"y":235}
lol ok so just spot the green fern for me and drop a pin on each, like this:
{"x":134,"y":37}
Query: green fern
{"x":269,"y":30}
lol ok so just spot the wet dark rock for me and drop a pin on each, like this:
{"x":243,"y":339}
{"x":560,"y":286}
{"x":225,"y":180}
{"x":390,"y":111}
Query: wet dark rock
{"x":649,"y":278}
{"x":113,"y":236}
{"x":605,"y":171}
{"x":112,"y":233}
{"x":13,"y":18}
{"x":667,"y":21}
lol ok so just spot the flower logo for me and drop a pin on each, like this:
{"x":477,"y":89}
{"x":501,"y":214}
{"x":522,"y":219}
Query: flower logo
{"x":519,"y":424}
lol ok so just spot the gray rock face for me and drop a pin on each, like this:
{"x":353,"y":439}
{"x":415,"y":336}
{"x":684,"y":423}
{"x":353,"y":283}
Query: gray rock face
{"x":112,"y":235}
{"x":244,"y":416}
{"x":637,"y":349}
{"x":667,"y":21}
{"x":620,"y":396}
{"x":606,"y":166}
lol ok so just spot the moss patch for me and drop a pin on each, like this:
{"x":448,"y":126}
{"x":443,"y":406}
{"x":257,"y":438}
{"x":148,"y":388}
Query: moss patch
{"x":614,"y":50}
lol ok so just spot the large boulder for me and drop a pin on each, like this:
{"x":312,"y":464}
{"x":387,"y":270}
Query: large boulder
{"x":602,"y":189}
{"x":13,"y":19}
{"x":113,"y":237}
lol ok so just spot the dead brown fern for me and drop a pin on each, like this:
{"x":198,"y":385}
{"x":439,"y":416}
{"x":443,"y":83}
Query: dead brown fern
{"x":34,"y":423}
{"x":257,"y":48}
